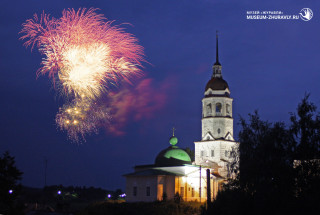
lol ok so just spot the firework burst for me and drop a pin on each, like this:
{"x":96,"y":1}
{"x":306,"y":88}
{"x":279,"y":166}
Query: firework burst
{"x":81,"y":117}
{"x":83,"y":50}
{"x":86,"y":55}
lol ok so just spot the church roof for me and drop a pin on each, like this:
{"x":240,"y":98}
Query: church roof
{"x":173,"y":155}
{"x":217,"y":84}
{"x":152,"y":171}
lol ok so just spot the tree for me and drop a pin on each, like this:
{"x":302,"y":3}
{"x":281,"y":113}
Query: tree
{"x":116,"y":194}
{"x":265,"y":163}
{"x":278,"y":166}
{"x":190,"y":153}
{"x":9,"y":187}
{"x":305,"y":129}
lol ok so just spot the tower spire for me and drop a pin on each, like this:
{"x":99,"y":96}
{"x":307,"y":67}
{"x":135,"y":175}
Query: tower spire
{"x":217,"y":50}
{"x":217,"y":66}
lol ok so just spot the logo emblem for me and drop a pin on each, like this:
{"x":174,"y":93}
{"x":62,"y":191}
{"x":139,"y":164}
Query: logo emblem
{"x":306,"y":14}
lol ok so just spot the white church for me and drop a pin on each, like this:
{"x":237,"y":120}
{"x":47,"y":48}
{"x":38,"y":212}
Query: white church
{"x":173,"y":172}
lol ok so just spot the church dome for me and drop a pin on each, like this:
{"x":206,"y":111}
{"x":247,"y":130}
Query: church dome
{"x":217,"y":84}
{"x":173,"y":155}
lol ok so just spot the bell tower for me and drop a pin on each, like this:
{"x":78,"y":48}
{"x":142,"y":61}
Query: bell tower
{"x":217,"y":122}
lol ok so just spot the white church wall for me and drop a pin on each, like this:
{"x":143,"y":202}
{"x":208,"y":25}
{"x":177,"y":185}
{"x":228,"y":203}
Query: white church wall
{"x":169,"y":186}
{"x":221,"y":149}
{"x":137,"y":189}
{"x":218,"y":127}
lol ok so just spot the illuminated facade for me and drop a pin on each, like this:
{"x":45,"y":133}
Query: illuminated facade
{"x":173,"y":172}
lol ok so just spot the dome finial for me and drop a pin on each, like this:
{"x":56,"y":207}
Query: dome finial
{"x":173,"y":140}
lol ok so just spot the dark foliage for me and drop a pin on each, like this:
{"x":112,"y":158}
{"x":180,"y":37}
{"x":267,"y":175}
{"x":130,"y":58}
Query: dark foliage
{"x":164,"y":197}
{"x":279,"y":169}
{"x":9,"y":187}
{"x":177,"y":198}
{"x":63,"y":199}
{"x":190,"y":153}
{"x":116,"y":194}
{"x":305,"y":129}
{"x":143,"y":208}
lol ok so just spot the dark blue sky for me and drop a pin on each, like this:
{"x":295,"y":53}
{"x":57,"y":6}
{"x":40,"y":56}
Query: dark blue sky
{"x":268,"y":64}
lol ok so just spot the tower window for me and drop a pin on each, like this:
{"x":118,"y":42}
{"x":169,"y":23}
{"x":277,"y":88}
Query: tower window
{"x":209,"y":109}
{"x":219,"y":130}
{"x":218,"y":107}
{"x":212,"y":153}
{"x":202,"y":153}
{"x":228,"y":108}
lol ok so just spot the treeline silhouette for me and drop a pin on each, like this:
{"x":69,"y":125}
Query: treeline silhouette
{"x":276,"y":168}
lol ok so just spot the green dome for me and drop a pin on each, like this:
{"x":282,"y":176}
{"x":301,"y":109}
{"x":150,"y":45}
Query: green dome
{"x":172,"y":156}
{"x":177,"y":153}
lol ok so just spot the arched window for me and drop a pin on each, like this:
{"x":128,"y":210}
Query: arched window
{"x":218,"y":107}
{"x":209,"y":109}
{"x":228,"y":108}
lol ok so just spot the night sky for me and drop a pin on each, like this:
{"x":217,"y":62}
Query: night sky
{"x":268,"y":64}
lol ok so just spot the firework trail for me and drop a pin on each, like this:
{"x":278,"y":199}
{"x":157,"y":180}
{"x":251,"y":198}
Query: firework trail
{"x":86,"y":55}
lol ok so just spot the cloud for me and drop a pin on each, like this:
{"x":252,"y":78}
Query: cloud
{"x":137,"y":103}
